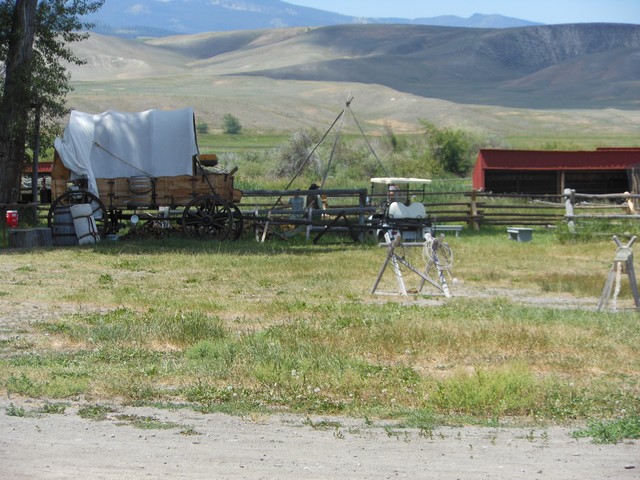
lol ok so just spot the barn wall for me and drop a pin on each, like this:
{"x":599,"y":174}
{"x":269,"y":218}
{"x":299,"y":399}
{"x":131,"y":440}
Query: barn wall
{"x":549,"y":172}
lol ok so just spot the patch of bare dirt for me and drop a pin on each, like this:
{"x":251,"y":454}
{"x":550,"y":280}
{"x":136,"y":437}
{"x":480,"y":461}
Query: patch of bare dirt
{"x":66,"y":446}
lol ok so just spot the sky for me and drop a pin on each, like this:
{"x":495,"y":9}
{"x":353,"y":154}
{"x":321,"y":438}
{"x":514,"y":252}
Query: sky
{"x":541,"y":11}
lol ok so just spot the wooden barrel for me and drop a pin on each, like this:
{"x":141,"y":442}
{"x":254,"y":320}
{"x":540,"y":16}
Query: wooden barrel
{"x":63,"y":231}
{"x":140,"y":189}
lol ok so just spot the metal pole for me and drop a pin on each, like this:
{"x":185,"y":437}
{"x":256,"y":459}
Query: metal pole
{"x":36,"y":155}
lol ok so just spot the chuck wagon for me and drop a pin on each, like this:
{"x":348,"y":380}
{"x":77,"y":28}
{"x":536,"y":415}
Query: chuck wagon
{"x":127,"y":168}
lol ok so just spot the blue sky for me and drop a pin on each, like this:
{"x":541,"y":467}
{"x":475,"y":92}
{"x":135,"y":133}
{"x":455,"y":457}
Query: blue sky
{"x":543,"y":11}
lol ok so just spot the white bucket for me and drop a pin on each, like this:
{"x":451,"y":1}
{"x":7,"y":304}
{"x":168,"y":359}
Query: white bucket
{"x":84,"y":223}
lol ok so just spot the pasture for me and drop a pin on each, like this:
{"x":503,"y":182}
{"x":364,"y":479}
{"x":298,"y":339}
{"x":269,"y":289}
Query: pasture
{"x":244,"y":327}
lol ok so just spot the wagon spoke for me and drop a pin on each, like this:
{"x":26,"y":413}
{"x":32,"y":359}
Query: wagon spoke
{"x":207,"y":217}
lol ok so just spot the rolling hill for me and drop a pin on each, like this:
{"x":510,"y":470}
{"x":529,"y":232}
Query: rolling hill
{"x":557,"y":66}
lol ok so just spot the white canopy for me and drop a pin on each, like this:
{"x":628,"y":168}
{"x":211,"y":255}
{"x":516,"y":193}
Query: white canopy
{"x":399,"y":180}
{"x":155,"y":143}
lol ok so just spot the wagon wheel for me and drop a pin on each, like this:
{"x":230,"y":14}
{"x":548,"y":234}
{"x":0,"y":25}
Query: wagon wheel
{"x":238,"y":223}
{"x":208,"y":216}
{"x":75,"y":197}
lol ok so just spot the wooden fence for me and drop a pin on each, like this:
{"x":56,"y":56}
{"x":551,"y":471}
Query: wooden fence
{"x":477,"y":209}
{"x":349,"y":209}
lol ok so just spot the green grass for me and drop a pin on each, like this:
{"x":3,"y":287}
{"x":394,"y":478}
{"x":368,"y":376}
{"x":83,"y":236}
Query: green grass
{"x":612,"y":431}
{"x":95,"y":412}
{"x":243,"y":327}
{"x":13,"y":411}
{"x":244,"y":142}
{"x":145,"y":422}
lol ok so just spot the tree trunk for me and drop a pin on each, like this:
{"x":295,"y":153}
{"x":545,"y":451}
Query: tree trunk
{"x":16,"y":100}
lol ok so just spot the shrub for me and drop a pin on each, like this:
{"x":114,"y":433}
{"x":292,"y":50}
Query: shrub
{"x":202,"y":128}
{"x":231,"y":125}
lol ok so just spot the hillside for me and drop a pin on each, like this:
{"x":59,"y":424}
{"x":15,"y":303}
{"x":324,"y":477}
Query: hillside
{"x":535,"y":67}
{"x":566,"y":66}
{"x":280,"y":72}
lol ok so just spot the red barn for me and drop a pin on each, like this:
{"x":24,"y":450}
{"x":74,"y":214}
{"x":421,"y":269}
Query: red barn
{"x":606,"y":170}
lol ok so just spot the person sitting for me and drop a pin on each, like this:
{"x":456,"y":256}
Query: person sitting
{"x":314,"y":203}
{"x":392,"y":193}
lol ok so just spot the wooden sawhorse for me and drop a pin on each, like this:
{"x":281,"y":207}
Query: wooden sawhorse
{"x":395,"y":260}
{"x":622,"y":263}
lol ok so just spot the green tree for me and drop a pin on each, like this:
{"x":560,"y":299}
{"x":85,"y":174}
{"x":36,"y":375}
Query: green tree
{"x":454,"y":149}
{"x":33,"y":49}
{"x":202,"y":127}
{"x":231,"y":124}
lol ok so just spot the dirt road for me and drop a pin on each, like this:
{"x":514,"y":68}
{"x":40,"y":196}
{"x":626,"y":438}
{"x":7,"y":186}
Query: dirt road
{"x":215,"y":446}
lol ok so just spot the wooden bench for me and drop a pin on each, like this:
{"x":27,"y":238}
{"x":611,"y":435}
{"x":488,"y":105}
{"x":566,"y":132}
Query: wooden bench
{"x":520,"y":234}
{"x":447,"y":228}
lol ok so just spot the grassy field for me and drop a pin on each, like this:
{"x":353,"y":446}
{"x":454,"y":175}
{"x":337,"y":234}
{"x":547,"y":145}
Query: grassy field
{"x":244,"y":327}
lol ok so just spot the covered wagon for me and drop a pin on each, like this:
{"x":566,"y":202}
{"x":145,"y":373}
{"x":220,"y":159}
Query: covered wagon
{"x":142,"y":166}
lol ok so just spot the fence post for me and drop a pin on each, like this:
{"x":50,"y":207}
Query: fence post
{"x":473,"y":209}
{"x":569,"y":200}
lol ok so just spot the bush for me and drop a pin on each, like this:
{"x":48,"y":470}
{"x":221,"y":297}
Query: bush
{"x":454,"y":149}
{"x":231,"y":125}
{"x":202,"y":128}
{"x":293,"y":155}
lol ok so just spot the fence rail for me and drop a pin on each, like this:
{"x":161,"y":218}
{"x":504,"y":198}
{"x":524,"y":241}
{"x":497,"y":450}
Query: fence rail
{"x":485,"y":209}
{"x":468,"y":208}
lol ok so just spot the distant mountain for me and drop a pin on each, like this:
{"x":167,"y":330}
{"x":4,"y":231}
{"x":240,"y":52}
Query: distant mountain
{"x":476,"y":20}
{"x":157,"y":18}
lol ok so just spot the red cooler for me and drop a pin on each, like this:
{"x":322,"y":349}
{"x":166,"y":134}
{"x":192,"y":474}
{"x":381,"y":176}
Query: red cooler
{"x":12,"y":218}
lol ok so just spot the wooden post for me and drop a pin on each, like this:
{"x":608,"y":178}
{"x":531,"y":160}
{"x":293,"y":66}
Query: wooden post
{"x":569,"y":200}
{"x":473,"y":209}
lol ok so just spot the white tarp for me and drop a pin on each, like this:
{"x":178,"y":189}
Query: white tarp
{"x":155,"y":143}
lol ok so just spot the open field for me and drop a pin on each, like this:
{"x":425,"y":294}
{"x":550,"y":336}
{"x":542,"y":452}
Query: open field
{"x":245,"y":326}
{"x":141,"y":348}
{"x":264,"y":105}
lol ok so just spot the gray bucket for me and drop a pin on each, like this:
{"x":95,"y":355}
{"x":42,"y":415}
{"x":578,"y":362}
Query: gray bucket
{"x":63,"y":230}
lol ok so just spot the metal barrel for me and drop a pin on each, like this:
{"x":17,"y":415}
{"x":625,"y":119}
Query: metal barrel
{"x":63,"y":230}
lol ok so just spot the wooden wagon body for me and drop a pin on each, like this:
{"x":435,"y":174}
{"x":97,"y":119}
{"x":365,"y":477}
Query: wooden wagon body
{"x":141,"y":192}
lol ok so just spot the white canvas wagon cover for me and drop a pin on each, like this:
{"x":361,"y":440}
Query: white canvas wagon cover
{"x":155,"y":143}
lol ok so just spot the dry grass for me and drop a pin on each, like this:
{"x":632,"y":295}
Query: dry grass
{"x":244,"y":326}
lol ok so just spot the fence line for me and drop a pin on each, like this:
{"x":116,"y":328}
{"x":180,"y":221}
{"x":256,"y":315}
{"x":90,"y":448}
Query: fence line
{"x":474,"y":209}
